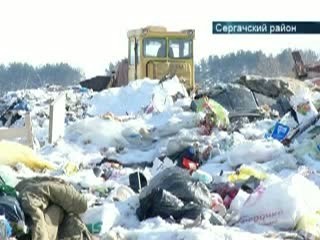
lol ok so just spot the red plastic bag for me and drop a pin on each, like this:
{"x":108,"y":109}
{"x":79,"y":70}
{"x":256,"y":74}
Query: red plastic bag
{"x":188,"y":164}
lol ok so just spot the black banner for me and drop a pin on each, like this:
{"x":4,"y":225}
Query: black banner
{"x":265,"y":27}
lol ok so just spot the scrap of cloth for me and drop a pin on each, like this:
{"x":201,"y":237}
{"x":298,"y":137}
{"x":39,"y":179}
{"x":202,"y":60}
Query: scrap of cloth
{"x":54,"y":207}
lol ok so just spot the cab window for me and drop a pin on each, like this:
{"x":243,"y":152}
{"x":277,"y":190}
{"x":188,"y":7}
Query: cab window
{"x":132,"y":53}
{"x":138,"y":52}
{"x":154,"y":47}
{"x":180,"y":48}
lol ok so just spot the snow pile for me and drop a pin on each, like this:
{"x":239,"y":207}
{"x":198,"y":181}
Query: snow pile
{"x":137,"y":95}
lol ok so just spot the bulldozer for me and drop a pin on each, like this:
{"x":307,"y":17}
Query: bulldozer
{"x":154,"y":53}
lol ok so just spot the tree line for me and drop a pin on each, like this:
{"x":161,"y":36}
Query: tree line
{"x":15,"y":76}
{"x":229,"y":67}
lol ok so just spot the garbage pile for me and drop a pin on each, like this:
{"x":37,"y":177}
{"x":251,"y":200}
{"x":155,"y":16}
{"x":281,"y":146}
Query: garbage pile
{"x":14,"y":106}
{"x":148,"y":161}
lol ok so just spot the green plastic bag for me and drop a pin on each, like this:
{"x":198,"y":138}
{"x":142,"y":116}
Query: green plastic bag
{"x":6,"y":189}
{"x":219,"y":114}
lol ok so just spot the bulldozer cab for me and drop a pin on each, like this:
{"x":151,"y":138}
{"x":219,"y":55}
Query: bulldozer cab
{"x":155,"y":53}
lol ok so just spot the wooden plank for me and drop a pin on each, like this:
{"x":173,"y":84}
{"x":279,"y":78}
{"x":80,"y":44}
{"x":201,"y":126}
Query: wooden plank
{"x":23,"y":132}
{"x":12,"y":133}
{"x":57,"y":118}
{"x":28,"y":128}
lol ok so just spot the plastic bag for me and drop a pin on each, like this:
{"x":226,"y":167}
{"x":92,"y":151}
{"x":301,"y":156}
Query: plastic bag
{"x":7,"y":190}
{"x":93,"y":218}
{"x":12,"y":153}
{"x":244,"y":173}
{"x":164,"y":204}
{"x":239,"y":200}
{"x":159,"y":165}
{"x":137,"y":181}
{"x":308,"y":226}
{"x":202,"y":176}
{"x":179,"y":182}
{"x":160,"y":203}
{"x":14,"y":214}
{"x":121,"y":193}
{"x":303,"y":106}
{"x":281,"y":204}
{"x":309,"y":147}
{"x":5,"y":228}
{"x":12,"y":209}
{"x":70,"y":168}
{"x":100,"y":219}
{"x":174,"y":193}
{"x":219,"y":113}
{"x":9,"y":175}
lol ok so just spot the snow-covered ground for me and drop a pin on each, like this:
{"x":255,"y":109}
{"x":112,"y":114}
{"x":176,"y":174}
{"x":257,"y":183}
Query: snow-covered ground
{"x":143,"y":123}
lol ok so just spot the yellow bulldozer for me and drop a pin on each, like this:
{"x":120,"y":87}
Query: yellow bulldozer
{"x":155,"y":53}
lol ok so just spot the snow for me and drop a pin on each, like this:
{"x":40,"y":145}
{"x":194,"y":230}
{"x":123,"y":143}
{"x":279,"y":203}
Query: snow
{"x":156,"y":228}
{"x":135,"y":96}
{"x":141,"y":137}
{"x":99,"y":132}
{"x":259,"y":151}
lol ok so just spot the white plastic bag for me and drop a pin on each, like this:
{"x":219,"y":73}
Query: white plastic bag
{"x":302,"y":104}
{"x":159,"y":165}
{"x":121,"y":193}
{"x":281,"y":204}
{"x":101,"y":219}
{"x":237,"y":203}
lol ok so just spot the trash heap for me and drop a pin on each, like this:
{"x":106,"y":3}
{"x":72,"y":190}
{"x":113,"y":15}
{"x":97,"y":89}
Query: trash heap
{"x":148,"y":161}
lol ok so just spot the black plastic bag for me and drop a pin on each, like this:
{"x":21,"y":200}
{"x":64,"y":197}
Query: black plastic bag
{"x":194,"y":211}
{"x":137,"y":181}
{"x":159,"y":203}
{"x":173,"y":193}
{"x":12,"y":209}
{"x":178,"y":182}
{"x":164,"y":204}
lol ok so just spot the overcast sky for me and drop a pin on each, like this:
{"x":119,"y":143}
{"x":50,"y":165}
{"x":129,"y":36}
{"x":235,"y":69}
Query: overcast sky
{"x":90,"y":33}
